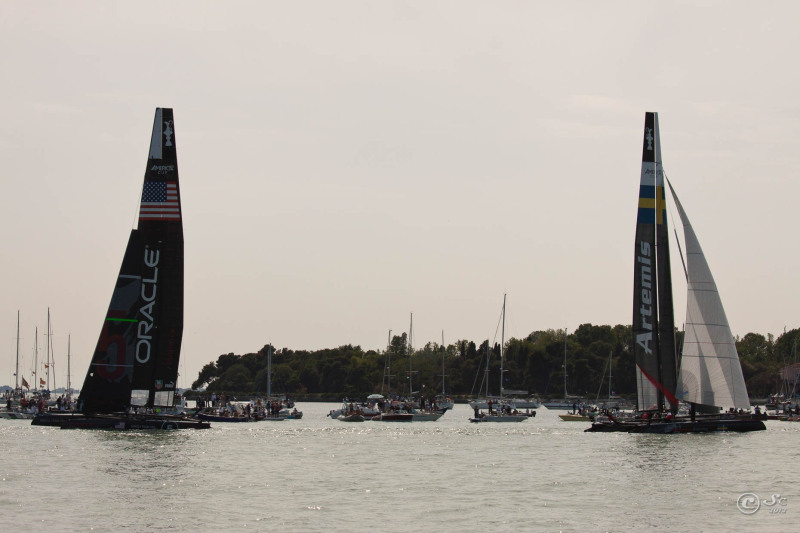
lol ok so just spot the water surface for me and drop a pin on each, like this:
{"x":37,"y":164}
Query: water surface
{"x":321,"y":475}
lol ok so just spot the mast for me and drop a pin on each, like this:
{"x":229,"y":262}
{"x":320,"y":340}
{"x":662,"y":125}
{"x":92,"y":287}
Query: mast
{"x":502,"y":342}
{"x":16,"y":374}
{"x":409,"y":348}
{"x":37,"y":383}
{"x":387,"y":376}
{"x":444,"y":350}
{"x":565,"y":363}
{"x":69,"y":380}
{"x":269,"y":372}
{"x":50,"y":354}
{"x":47,"y":363}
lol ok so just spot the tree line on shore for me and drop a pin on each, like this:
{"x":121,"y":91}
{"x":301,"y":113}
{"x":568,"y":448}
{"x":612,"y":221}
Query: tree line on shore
{"x":535,"y":364}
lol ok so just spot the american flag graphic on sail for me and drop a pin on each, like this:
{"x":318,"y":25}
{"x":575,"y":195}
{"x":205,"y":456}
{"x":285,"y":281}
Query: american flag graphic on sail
{"x":160,"y":201}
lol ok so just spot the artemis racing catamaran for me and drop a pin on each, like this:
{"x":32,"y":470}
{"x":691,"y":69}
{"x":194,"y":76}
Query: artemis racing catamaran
{"x":710,"y":379}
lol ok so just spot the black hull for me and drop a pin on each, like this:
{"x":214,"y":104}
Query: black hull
{"x":116,"y":421}
{"x":708,"y":425}
{"x":219,"y":418}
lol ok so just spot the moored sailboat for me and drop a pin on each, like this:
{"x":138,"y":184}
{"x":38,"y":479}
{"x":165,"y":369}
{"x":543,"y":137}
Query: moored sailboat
{"x":710,"y":377}
{"x":499,"y":409}
{"x":133,"y":373}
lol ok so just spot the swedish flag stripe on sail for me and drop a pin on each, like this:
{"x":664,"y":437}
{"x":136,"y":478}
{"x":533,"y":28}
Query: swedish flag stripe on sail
{"x":651,"y":200}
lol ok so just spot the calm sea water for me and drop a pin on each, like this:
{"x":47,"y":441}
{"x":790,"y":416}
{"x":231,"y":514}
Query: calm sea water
{"x":318,"y":474}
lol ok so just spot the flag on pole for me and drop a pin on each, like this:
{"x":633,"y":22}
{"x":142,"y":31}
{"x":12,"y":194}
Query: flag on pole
{"x":25,"y":384}
{"x":41,"y":382}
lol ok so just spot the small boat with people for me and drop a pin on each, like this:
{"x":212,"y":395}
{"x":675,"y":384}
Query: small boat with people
{"x":380,"y":409}
{"x":502,"y":413}
{"x":405,"y":411}
{"x":367,"y":409}
{"x":352,"y":417}
{"x":223,"y":409}
{"x":501,"y":408}
{"x":499,"y":416}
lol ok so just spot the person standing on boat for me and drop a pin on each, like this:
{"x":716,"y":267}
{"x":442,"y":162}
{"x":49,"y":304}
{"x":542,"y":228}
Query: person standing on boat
{"x":490,"y":406}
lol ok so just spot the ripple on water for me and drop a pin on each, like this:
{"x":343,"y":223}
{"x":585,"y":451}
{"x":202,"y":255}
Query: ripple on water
{"x":318,"y":474}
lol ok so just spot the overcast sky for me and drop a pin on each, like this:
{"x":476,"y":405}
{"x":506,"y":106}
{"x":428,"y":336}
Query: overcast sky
{"x":345,"y":164}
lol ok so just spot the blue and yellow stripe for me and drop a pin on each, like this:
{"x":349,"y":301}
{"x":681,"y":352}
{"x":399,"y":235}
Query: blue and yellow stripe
{"x":652,"y":200}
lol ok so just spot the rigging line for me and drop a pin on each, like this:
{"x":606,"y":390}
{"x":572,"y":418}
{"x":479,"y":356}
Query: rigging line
{"x":499,"y":321}
{"x":602,"y":380}
{"x":475,"y":381}
{"x":675,"y":229}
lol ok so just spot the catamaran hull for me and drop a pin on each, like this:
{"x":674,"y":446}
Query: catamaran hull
{"x":499,"y":418}
{"x":702,"y":426}
{"x":221,"y":418}
{"x":427,"y":417}
{"x":118,"y":422}
{"x":681,"y":426}
{"x":394,"y":417}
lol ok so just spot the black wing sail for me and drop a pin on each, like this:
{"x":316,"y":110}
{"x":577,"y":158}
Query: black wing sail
{"x":136,"y":359}
{"x":653,"y":317}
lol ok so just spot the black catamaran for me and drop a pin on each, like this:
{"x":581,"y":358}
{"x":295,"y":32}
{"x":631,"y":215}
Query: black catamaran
{"x":131,"y":381}
{"x":710,"y":377}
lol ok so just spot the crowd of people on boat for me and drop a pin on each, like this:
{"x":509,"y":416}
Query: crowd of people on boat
{"x":224,"y":401}
{"x":36,"y":402}
{"x":500,"y":409}
{"x":257,"y":409}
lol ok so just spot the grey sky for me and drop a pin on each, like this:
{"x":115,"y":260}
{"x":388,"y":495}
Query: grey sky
{"x":344,"y":164}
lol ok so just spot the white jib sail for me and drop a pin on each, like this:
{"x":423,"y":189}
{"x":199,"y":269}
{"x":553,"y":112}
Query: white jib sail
{"x":710,"y":372}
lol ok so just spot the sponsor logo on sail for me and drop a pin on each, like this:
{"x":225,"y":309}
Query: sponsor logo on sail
{"x":649,"y":138}
{"x":168,"y":132}
{"x":162,"y":169}
{"x":645,"y":338}
{"x":148,"y":295}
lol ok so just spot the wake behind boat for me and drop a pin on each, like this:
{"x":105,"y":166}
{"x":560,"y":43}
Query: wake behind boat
{"x":710,"y":377}
{"x":131,"y":380}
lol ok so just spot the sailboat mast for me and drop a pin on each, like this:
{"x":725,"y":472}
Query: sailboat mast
{"x":444,"y":350}
{"x":16,"y":374}
{"x":50,"y":354}
{"x":37,"y":383}
{"x":565,"y":363}
{"x":269,"y":372}
{"x":47,"y":365}
{"x":388,"y":368}
{"x":502,"y":342}
{"x":408,"y":350}
{"x":69,"y":380}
